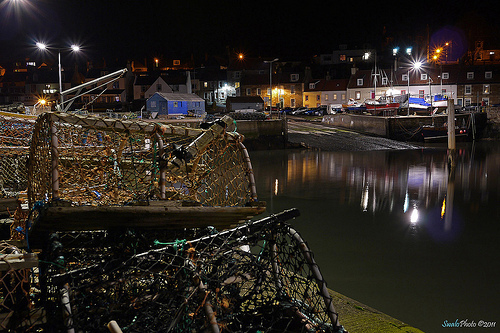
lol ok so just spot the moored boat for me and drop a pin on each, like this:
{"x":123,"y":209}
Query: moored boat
{"x":432,"y":133}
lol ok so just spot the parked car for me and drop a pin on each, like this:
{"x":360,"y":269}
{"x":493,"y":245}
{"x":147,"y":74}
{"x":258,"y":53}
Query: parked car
{"x":300,"y":111}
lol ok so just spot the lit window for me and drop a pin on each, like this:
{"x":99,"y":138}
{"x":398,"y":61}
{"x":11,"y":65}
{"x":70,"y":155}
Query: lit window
{"x":342,"y":57}
{"x":486,"y":88}
{"x":326,"y":97}
{"x":358,"y":95}
{"x":335,"y":96}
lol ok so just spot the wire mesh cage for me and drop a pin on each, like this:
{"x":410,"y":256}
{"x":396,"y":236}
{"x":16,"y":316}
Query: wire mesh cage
{"x":98,"y":161}
{"x":15,"y":138}
{"x":260,"y":276}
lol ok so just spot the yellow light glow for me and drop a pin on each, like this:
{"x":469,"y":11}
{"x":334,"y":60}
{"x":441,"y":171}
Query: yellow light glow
{"x":438,"y":51}
{"x":42,"y":101}
{"x":443,"y":208}
{"x":240,"y":56}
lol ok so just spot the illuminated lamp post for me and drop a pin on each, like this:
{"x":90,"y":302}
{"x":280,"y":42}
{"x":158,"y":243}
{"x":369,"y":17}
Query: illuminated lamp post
{"x":270,"y":62}
{"x":415,"y":66}
{"x":74,"y":48}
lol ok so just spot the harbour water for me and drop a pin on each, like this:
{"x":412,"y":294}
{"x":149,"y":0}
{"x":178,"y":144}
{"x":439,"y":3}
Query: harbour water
{"x":395,"y":230}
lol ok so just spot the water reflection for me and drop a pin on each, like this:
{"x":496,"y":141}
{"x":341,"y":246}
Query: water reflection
{"x":414,"y":183}
{"x":396,"y":230}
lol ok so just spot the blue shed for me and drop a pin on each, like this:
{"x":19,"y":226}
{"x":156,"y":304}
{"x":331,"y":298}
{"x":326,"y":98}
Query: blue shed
{"x":175,"y":104}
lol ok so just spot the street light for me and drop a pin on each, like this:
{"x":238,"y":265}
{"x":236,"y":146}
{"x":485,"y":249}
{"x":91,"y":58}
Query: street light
{"x":415,"y":66}
{"x":270,"y":62}
{"x":74,"y":48}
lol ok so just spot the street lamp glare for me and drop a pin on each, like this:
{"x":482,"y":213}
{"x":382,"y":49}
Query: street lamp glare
{"x":41,"y":46}
{"x":417,"y":65}
{"x":75,"y":48}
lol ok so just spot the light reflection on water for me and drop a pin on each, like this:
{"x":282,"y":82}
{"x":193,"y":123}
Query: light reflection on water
{"x":395,"y":229}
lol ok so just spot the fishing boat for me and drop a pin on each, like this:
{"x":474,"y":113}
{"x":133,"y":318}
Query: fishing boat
{"x":431,"y":133}
{"x":353,"y":106}
{"x":377,"y":107}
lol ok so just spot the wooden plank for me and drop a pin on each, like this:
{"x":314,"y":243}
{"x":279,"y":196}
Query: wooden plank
{"x":151,"y":217}
{"x":18,"y":261}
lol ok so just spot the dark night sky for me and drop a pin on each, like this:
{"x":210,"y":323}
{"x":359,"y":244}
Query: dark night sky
{"x":178,"y":29}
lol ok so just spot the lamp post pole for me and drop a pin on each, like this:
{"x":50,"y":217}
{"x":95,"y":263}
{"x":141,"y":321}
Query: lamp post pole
{"x":74,"y":48}
{"x":60,"y":80}
{"x":408,"y":78}
{"x":271,"y":85}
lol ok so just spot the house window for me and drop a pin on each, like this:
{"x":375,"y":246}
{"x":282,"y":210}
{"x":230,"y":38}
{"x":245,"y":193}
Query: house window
{"x":343,"y":97}
{"x":205,"y":84}
{"x":488,"y":75}
{"x":404,"y":77}
{"x":158,"y":87}
{"x":342,"y":57}
{"x":292,"y":89}
{"x":485,"y":101}
{"x":421,"y":94}
{"x":248,"y":91}
{"x":292,"y":102}
{"x":423,"y":76}
{"x":470,"y":75}
{"x":312,"y":86}
{"x":359,"y":82}
{"x":318,"y":97}
{"x":116,"y":85}
{"x":486,"y":88}
{"x":403,"y":92}
{"x":269,"y":91}
{"x":446,"y":76}
{"x":358,"y":94}
{"x":259,"y":91}
{"x":385,"y":81}
{"x":468,"y":89}
{"x":294,"y":77}
{"x":307,"y":97}
{"x":177,"y":62}
{"x":326,"y":97}
{"x":176,"y":104}
{"x":467,"y":102}
{"x":335,"y":96}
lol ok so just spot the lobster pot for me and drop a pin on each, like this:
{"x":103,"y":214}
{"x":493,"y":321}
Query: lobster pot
{"x":102,"y":162}
{"x":15,"y":136}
